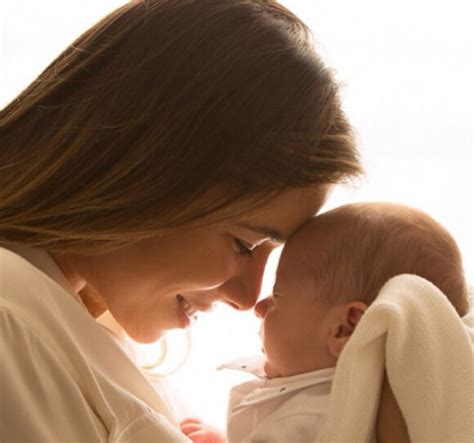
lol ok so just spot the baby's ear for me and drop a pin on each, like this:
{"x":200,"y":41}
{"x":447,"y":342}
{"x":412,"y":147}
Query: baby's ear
{"x":344,"y":319}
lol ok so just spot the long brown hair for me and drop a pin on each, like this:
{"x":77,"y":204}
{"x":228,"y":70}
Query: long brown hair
{"x":168,"y":113}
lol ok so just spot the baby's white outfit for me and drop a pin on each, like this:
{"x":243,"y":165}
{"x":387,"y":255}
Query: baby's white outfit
{"x":286,"y":409}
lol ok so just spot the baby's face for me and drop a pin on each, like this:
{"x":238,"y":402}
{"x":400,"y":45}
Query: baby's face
{"x":294,"y":331}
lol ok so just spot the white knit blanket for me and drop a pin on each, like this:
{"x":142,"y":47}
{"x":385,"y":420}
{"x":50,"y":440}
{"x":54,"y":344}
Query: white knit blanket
{"x":413,"y":331}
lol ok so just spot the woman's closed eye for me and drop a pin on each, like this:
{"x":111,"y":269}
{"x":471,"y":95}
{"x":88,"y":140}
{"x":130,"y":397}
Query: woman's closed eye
{"x":243,"y":248}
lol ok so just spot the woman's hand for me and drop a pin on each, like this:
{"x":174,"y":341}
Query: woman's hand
{"x":200,"y":432}
{"x":391,"y":426}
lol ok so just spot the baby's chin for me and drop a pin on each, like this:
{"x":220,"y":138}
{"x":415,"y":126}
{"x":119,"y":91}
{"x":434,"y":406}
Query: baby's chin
{"x":270,"y":371}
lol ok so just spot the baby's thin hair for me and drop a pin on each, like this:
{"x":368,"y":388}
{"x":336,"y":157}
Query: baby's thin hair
{"x":367,"y":244}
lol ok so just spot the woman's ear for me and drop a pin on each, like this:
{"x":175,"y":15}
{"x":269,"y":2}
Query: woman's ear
{"x":344,"y":320}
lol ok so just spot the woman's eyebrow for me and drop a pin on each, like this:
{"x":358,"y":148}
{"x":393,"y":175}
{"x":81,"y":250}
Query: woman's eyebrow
{"x":272,"y":233}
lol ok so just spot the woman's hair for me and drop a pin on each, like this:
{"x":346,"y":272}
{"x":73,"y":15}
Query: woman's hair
{"x":366,"y":244}
{"x":169,"y":113}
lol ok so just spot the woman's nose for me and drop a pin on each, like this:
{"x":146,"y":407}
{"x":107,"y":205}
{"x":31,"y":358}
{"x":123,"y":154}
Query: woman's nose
{"x":241,"y":291}
{"x":261,"y":307}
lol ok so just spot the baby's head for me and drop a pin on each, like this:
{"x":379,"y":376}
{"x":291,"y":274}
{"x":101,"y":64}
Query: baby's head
{"x":334,"y":267}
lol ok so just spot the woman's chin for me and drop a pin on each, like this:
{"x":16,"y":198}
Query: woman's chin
{"x":144,"y":337}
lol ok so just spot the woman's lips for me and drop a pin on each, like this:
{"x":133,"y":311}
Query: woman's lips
{"x":186,"y":311}
{"x":189,"y":312}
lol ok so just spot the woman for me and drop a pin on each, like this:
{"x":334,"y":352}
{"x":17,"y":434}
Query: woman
{"x":149,"y":171}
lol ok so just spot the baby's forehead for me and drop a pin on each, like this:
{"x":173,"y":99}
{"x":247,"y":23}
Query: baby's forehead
{"x":293,"y":280}
{"x":301,"y":253}
{"x":313,"y":236}
{"x":307,"y":252}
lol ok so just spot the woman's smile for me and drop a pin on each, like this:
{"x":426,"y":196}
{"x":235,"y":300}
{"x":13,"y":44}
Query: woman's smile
{"x":187,"y":312}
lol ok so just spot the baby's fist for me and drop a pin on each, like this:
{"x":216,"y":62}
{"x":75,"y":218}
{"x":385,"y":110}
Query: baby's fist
{"x":200,"y":432}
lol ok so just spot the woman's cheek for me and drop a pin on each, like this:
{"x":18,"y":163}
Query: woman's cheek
{"x":227,"y":265}
{"x":215,"y":272}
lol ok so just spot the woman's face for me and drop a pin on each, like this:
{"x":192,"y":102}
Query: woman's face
{"x":160,"y":284}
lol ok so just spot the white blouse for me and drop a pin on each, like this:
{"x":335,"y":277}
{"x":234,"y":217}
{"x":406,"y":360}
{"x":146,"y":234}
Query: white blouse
{"x":63,"y":377}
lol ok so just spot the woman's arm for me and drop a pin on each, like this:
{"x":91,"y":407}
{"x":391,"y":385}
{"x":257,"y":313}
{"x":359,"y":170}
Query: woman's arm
{"x":391,"y":426}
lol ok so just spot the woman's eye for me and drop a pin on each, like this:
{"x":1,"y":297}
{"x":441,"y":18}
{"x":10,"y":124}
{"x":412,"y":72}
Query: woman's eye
{"x":243,"y":248}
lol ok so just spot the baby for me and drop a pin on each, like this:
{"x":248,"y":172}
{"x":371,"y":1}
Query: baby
{"x":330,"y":271}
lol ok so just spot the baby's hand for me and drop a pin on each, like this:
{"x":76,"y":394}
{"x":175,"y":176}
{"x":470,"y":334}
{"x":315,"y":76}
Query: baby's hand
{"x":200,"y":432}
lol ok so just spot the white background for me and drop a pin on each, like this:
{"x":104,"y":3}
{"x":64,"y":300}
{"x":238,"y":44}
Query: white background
{"x":406,"y":67}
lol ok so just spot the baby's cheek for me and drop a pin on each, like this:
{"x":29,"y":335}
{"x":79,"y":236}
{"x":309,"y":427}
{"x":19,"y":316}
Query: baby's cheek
{"x":272,"y":335}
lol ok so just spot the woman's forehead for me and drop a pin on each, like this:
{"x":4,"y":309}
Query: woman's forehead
{"x":286,"y":212}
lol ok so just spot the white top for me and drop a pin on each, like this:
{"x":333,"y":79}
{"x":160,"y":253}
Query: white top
{"x":63,"y":378}
{"x":286,"y":409}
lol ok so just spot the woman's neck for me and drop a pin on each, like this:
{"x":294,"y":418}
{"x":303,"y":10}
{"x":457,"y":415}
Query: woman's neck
{"x":90,"y":298}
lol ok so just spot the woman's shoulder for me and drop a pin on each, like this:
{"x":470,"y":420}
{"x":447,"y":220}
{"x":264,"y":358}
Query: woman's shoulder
{"x":28,"y":293}
{"x":41,"y":383}
{"x":37,"y":299}
{"x":38,"y":308}
{"x":49,"y":338}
